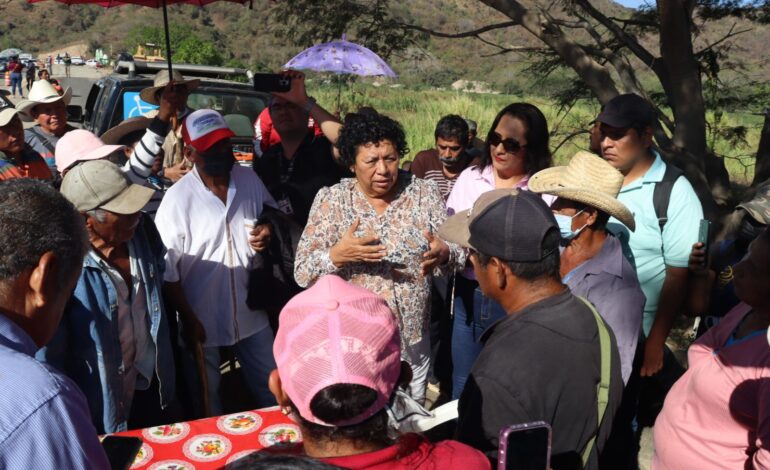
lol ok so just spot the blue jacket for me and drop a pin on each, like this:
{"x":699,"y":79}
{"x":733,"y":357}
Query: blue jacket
{"x":86,"y":347}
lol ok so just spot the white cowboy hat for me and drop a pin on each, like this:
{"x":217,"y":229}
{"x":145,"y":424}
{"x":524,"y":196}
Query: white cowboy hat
{"x":161,"y":80}
{"x":41,"y":92}
{"x":587,"y":179}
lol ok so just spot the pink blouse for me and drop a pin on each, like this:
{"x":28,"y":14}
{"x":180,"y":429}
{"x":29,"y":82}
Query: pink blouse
{"x":472,"y":183}
{"x":717,"y":416}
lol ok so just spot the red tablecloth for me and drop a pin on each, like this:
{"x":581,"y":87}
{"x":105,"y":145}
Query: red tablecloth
{"x":213,"y":442}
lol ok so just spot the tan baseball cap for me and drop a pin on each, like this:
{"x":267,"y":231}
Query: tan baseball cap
{"x":6,"y":115}
{"x":100,"y":184}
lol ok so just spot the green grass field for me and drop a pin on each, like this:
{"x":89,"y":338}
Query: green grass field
{"x":419,"y":110}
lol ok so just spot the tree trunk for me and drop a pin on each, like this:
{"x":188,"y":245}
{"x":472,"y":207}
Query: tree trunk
{"x":596,"y":76}
{"x":762,"y":168}
{"x":686,"y":92}
{"x":685,"y":95}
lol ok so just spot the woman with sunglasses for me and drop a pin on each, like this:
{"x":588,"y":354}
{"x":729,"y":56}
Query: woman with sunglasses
{"x":516,"y":147}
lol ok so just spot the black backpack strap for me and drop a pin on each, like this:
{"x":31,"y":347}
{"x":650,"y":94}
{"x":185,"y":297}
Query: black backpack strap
{"x":43,"y":139}
{"x":661,"y":195}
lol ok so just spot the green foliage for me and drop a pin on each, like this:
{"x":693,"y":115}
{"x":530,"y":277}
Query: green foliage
{"x":186,"y":46}
{"x":195,"y":51}
{"x":141,"y":35}
{"x":371,"y":23}
{"x":418,"y":110}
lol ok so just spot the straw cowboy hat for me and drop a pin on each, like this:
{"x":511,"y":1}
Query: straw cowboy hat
{"x":42,"y":92}
{"x":587,"y":179}
{"x":759,"y":206}
{"x":161,"y":80}
{"x":114,"y":134}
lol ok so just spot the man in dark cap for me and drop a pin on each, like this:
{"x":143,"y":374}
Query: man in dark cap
{"x":543,"y":361}
{"x":667,"y":213}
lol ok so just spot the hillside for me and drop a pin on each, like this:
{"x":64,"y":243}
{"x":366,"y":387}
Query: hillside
{"x":244,"y":37}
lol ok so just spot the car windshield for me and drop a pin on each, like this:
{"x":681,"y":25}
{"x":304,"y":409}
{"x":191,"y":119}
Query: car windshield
{"x":240,"y":111}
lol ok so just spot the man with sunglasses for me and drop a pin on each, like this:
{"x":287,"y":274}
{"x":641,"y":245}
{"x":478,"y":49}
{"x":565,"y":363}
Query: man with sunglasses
{"x":297,"y":167}
{"x":660,"y":246}
{"x":444,"y":163}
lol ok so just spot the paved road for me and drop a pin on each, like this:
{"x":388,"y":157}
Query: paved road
{"x":81,"y":79}
{"x":81,"y":86}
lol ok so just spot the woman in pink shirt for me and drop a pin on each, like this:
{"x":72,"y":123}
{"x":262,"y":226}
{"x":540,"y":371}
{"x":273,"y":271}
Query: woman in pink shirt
{"x":516,"y":147}
{"x":717,"y":416}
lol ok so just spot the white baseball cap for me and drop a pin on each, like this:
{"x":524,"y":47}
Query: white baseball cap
{"x":204,"y":128}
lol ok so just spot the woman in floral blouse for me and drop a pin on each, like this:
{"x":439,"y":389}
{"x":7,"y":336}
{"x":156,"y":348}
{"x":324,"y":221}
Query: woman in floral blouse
{"x":376,"y":230}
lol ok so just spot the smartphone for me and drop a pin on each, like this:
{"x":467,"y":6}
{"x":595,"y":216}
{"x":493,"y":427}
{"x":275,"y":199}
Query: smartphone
{"x":271,"y":82}
{"x":704,"y":235}
{"x":525,"y":447}
{"x":121,"y":451}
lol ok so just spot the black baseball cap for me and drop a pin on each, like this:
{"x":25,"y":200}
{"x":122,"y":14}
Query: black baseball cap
{"x":629,"y":110}
{"x":510,"y":224}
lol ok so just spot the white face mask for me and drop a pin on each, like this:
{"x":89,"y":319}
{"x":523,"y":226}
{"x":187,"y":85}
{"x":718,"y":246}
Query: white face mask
{"x":565,"y":226}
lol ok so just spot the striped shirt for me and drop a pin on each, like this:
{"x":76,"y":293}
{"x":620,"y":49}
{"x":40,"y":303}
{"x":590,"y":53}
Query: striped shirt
{"x":138,"y":168}
{"x":29,"y":165}
{"x":426,"y":165}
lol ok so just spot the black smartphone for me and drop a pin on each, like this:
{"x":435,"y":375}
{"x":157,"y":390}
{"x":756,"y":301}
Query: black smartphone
{"x":271,"y":82}
{"x":704,"y":235}
{"x":121,"y":451}
{"x":525,"y":447}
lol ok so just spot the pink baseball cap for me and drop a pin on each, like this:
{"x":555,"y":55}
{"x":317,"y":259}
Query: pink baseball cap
{"x":80,"y":145}
{"x":204,"y":128}
{"x":337,"y":333}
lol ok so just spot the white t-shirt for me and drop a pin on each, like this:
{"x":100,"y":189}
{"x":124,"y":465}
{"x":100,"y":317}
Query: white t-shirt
{"x":208,"y":251}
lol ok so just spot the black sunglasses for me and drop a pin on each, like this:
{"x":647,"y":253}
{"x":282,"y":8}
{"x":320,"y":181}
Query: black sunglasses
{"x":510,"y":145}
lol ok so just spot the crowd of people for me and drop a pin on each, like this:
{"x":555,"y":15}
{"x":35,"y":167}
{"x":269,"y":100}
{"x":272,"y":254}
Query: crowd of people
{"x":133,"y":263}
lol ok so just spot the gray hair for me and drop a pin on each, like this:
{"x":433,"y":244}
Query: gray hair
{"x":36,"y":219}
{"x":98,"y":214}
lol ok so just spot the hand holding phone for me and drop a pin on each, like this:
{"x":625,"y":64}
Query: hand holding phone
{"x":525,"y":447}
{"x":704,"y":237}
{"x":272,"y":82}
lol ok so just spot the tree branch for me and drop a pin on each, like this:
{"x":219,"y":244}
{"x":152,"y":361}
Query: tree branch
{"x":634,"y":22}
{"x":596,"y":76}
{"x":730,"y":34}
{"x":633,"y":45}
{"x":466,"y":34}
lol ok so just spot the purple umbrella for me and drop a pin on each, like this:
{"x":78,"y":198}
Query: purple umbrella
{"x":341,"y":57}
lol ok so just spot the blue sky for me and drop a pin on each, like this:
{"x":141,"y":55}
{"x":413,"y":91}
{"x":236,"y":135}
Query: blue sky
{"x":632,"y":3}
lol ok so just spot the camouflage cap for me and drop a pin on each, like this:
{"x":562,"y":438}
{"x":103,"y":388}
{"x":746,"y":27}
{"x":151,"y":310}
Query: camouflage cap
{"x":759,"y":206}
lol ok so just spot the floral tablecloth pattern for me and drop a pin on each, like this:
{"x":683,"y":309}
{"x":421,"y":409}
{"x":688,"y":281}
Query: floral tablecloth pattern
{"x":212,"y":443}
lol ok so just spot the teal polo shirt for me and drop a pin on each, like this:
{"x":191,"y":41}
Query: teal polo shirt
{"x":648,"y":250}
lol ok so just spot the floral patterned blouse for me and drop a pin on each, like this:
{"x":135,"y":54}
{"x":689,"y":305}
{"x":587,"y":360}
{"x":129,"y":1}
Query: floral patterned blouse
{"x":417,"y":207}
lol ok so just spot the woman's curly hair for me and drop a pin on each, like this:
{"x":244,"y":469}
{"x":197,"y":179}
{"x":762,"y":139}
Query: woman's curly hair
{"x":361,"y":129}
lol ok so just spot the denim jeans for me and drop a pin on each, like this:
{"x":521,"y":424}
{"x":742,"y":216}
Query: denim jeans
{"x":473,"y":314}
{"x":16,"y":83}
{"x":418,"y":357}
{"x":255,"y":355}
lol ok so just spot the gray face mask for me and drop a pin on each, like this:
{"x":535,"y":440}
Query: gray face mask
{"x":452,"y":162}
